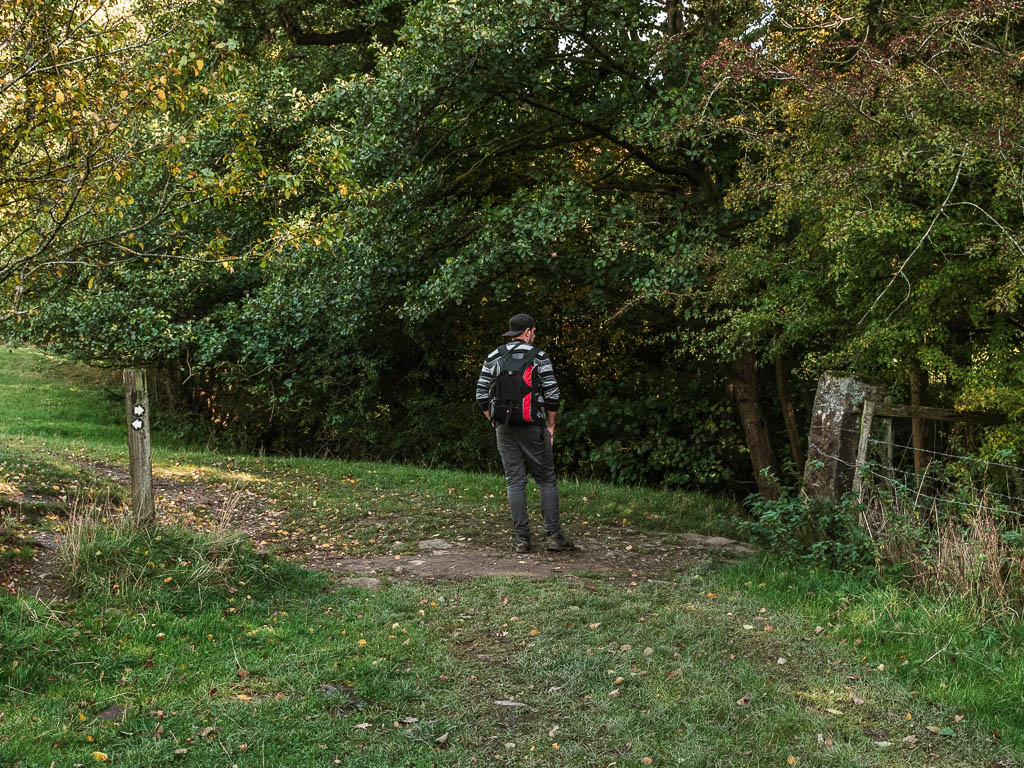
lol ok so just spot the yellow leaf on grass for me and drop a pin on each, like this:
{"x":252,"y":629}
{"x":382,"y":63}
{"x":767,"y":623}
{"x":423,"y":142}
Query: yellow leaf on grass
{"x":791,"y":760}
{"x":100,"y":757}
{"x":59,"y":96}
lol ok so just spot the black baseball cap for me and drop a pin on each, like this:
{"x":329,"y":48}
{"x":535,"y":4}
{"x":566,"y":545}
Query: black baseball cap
{"x":518,"y":324}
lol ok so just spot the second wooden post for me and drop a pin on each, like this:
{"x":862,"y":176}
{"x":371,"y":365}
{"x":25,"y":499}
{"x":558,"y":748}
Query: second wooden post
{"x":140,"y":455}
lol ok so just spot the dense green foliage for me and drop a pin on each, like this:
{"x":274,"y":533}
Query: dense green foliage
{"x":366,"y":193}
{"x":818,"y":531}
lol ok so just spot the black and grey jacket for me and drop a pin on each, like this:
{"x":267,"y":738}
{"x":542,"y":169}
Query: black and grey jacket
{"x":549,"y":394}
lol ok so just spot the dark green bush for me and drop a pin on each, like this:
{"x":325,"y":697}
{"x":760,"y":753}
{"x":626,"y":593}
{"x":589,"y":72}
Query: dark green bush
{"x":819,"y":531}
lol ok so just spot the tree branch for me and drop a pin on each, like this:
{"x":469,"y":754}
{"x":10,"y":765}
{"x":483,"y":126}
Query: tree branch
{"x":299,"y":36}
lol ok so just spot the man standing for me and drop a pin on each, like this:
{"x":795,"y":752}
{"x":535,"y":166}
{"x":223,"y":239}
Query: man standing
{"x":526,"y":429}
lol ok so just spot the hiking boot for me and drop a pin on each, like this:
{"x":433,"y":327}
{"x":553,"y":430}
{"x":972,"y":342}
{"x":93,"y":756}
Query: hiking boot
{"x":557,"y":542}
{"x":522,"y":546}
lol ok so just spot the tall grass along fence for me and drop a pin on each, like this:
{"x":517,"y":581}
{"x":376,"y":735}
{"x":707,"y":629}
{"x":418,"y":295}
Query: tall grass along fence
{"x":955,"y":526}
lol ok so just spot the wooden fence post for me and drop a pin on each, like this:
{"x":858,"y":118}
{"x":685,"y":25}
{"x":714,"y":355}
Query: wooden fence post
{"x":862,"y":447}
{"x":140,"y":456}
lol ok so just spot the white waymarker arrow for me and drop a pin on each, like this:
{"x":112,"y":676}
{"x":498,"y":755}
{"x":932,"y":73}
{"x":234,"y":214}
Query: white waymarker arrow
{"x":136,"y":424}
{"x":139,"y":410}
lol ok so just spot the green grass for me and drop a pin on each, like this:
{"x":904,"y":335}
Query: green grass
{"x":163,"y":621}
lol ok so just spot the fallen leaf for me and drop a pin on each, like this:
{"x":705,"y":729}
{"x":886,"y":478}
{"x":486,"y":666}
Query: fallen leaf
{"x":442,"y":740}
{"x":410,"y":720}
{"x":647,"y":760}
{"x":553,"y":731}
{"x":614,"y":693}
{"x":833,"y":711}
{"x":744,"y":701}
{"x":910,"y":739}
{"x":819,"y":629}
{"x":933,"y":729}
{"x":791,"y":760}
{"x":619,"y":680}
{"x":748,"y":626}
{"x":947,"y":732}
{"x":158,"y":733}
{"x":364,"y":726}
{"x":958,"y":718}
{"x":883,"y":744}
{"x":858,"y":701}
{"x":781,"y":661}
{"x":100,"y":757}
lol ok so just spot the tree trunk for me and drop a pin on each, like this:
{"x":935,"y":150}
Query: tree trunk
{"x":673,"y":22}
{"x":789,"y":414}
{"x":918,"y":397}
{"x":140,"y":456}
{"x":744,"y":389}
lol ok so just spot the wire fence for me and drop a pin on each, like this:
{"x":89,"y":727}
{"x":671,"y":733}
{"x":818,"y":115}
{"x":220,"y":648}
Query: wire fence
{"x":954,"y":492}
{"x":933,"y":452}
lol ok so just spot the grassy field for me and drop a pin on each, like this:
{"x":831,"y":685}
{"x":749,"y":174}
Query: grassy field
{"x":182,"y":645}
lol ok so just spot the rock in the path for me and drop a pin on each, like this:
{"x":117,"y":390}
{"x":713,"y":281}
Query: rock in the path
{"x":434,"y":544}
{"x":366,"y":582}
{"x":719,"y":541}
{"x":731,"y":546}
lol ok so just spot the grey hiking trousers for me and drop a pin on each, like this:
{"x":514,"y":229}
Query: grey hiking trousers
{"x":529,"y":448}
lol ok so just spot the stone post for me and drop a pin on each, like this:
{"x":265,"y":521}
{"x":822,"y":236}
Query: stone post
{"x":835,"y":434}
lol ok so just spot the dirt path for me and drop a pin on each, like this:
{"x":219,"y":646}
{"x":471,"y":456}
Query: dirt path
{"x":641,"y":559}
{"x":619,"y":555}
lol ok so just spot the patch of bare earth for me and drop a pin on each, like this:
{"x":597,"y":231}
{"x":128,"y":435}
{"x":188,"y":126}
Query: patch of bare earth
{"x":36,"y":575}
{"x":631,"y":557}
{"x":627,"y":556}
